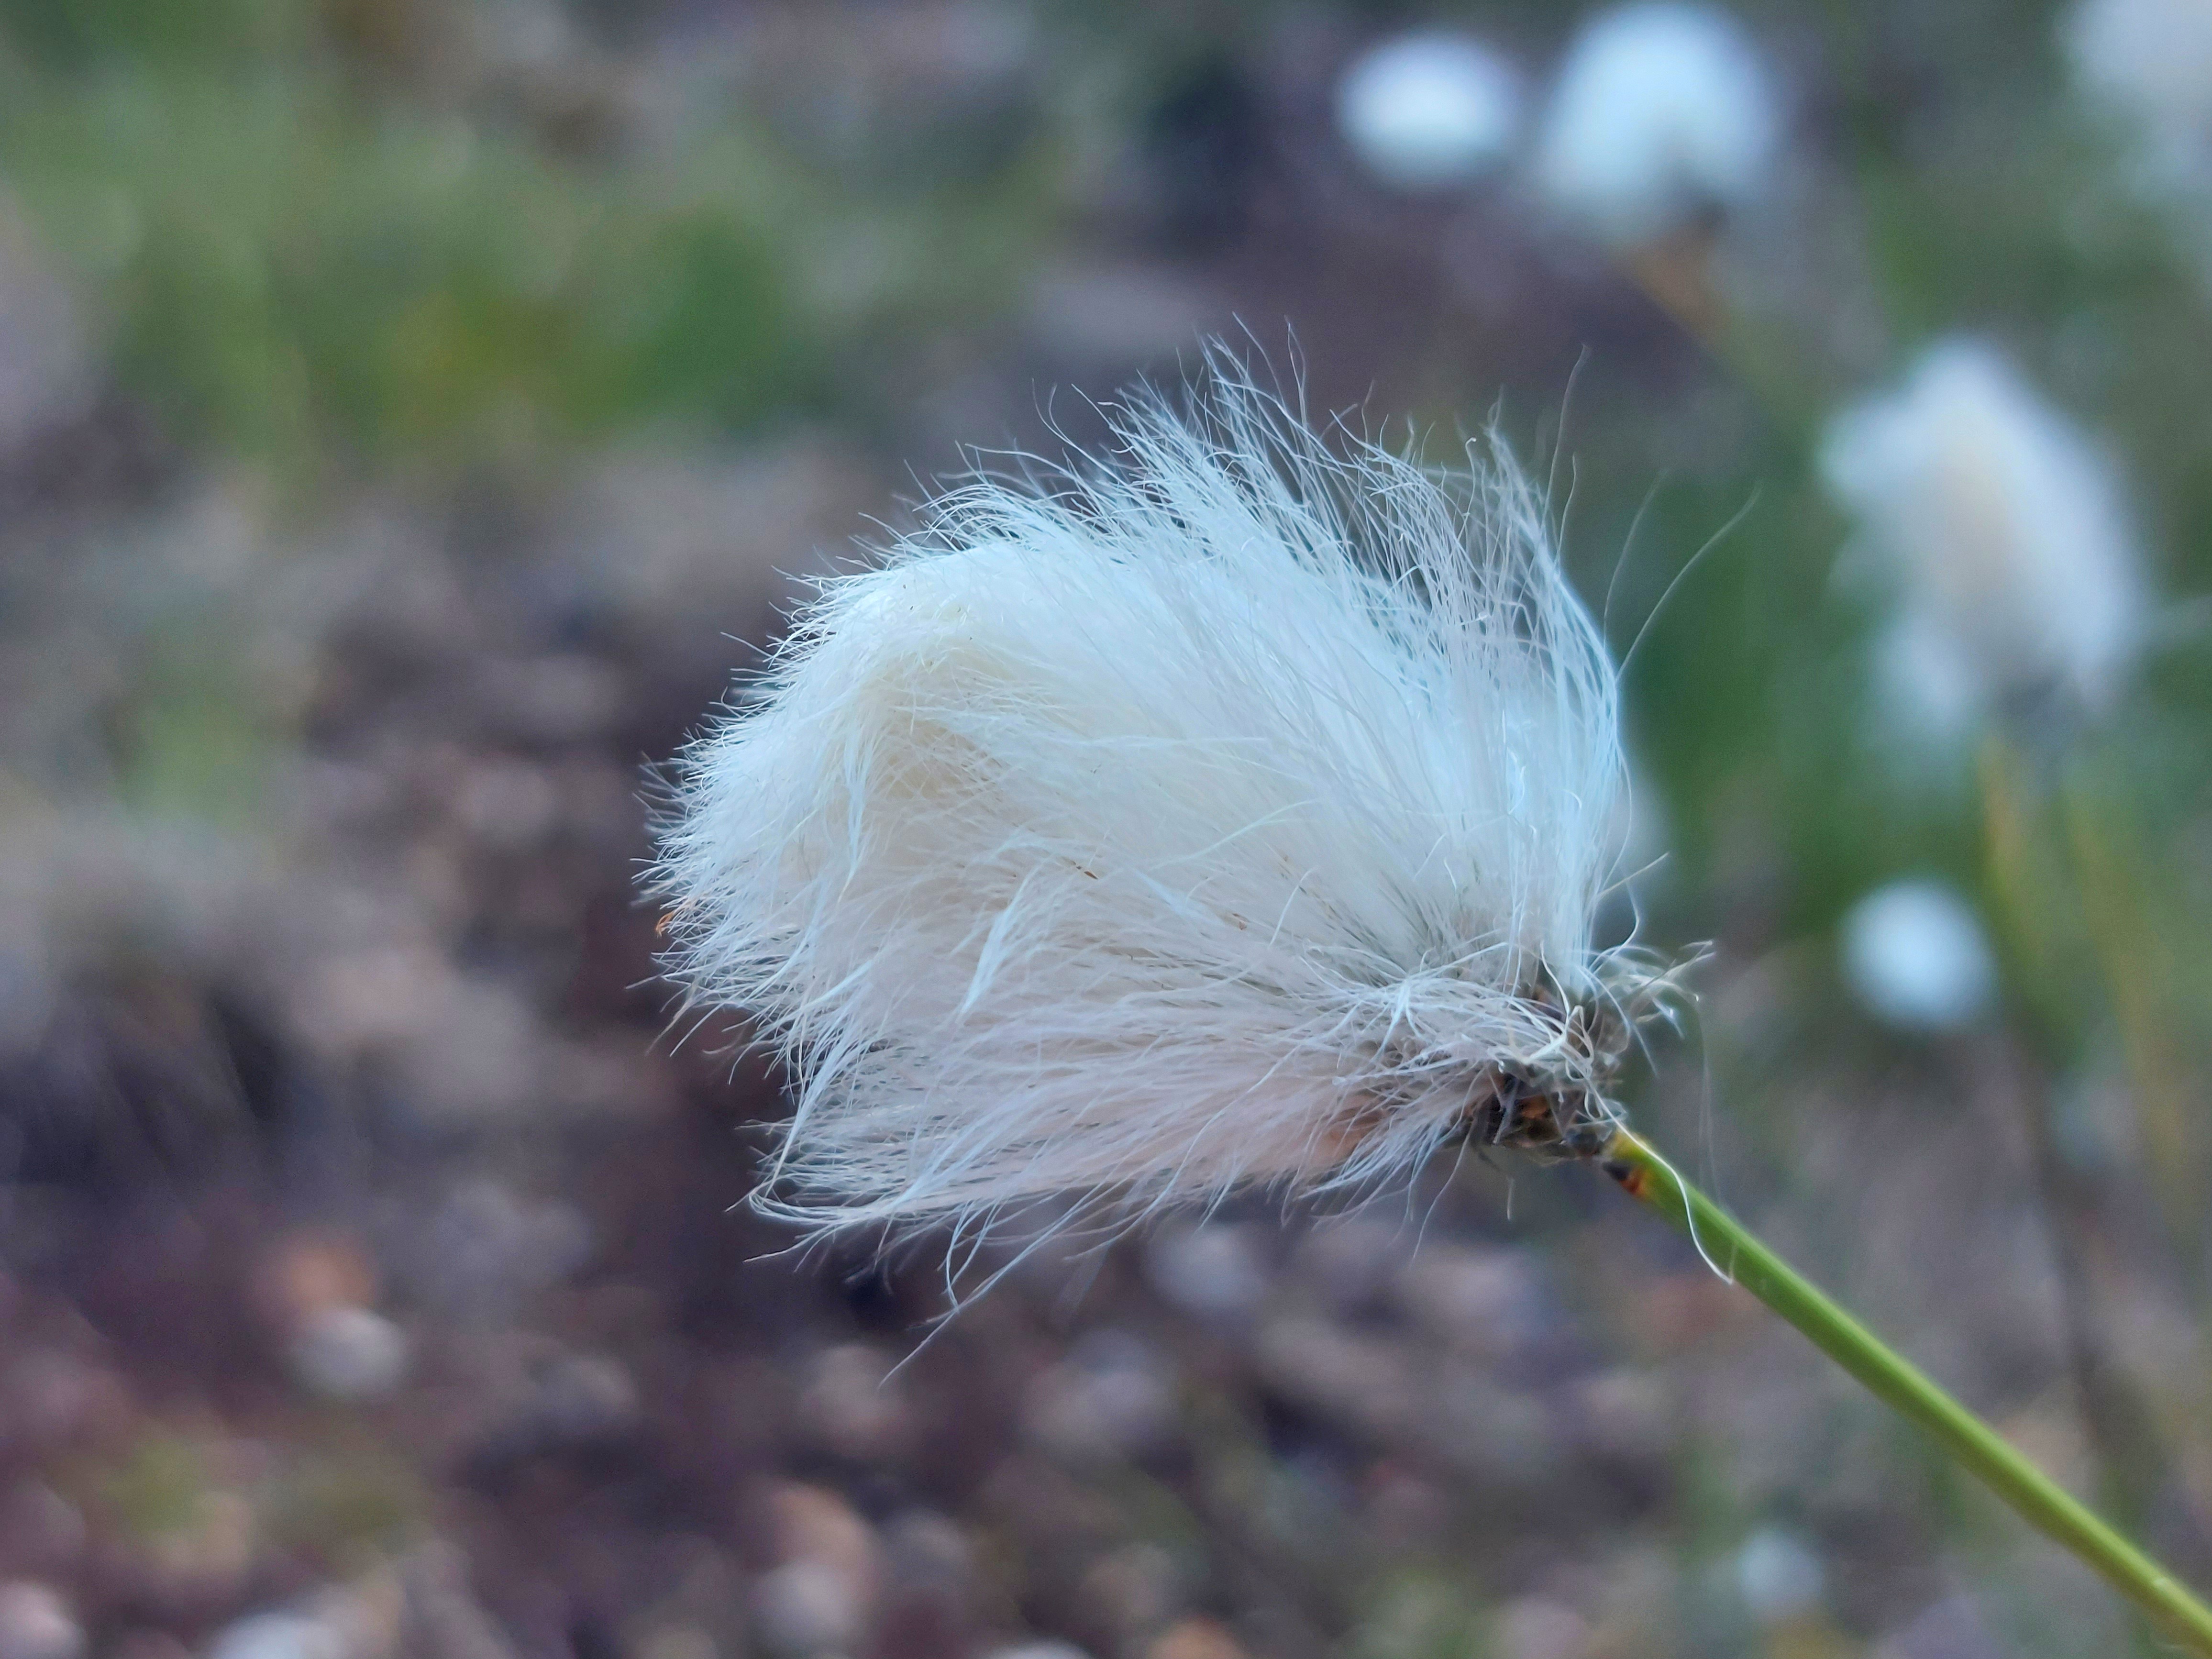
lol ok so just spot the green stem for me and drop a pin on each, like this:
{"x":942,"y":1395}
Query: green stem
{"x":1733,"y":1252}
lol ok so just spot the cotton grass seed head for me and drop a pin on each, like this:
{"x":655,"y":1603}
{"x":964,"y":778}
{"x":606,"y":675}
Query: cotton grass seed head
{"x":2148,"y":63}
{"x":2004,"y":531}
{"x":1663,"y":113}
{"x":1915,"y":955}
{"x":1230,"y":811}
{"x":1429,"y":110}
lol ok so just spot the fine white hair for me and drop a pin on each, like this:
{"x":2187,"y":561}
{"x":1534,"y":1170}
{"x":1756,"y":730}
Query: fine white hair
{"x":1234,"y":810}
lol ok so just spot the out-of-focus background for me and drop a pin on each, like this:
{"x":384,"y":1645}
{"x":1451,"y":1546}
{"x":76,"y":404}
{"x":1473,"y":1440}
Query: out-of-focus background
{"x":411,"y":414}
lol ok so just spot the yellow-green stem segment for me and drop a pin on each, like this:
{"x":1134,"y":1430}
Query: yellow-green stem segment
{"x":1733,"y":1252}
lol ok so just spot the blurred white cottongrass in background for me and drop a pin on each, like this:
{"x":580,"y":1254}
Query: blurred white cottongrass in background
{"x":2002,"y":532}
{"x":1663,"y":113}
{"x":1914,"y":953}
{"x":1425,"y":111}
{"x":2146,"y":65}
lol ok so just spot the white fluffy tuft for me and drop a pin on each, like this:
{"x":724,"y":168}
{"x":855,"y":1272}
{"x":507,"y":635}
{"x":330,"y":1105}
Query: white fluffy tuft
{"x":1234,"y":812}
{"x":1664,"y":110}
{"x":1429,"y":109}
{"x":2148,"y":63}
{"x":2005,"y":529}
{"x":1915,"y":954}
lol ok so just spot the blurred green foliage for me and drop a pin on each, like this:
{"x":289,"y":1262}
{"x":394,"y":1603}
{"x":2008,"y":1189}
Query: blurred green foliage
{"x":305,"y":259}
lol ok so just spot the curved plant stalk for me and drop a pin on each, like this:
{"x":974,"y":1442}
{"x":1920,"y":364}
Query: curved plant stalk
{"x":1735,"y":1253}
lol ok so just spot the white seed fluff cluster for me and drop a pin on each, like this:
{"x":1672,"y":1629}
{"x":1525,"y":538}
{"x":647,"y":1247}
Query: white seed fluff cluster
{"x":1429,"y":109}
{"x":2148,"y":64}
{"x":1915,"y":954}
{"x":1663,"y":111}
{"x":2005,"y":533}
{"x":1233,"y":812}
